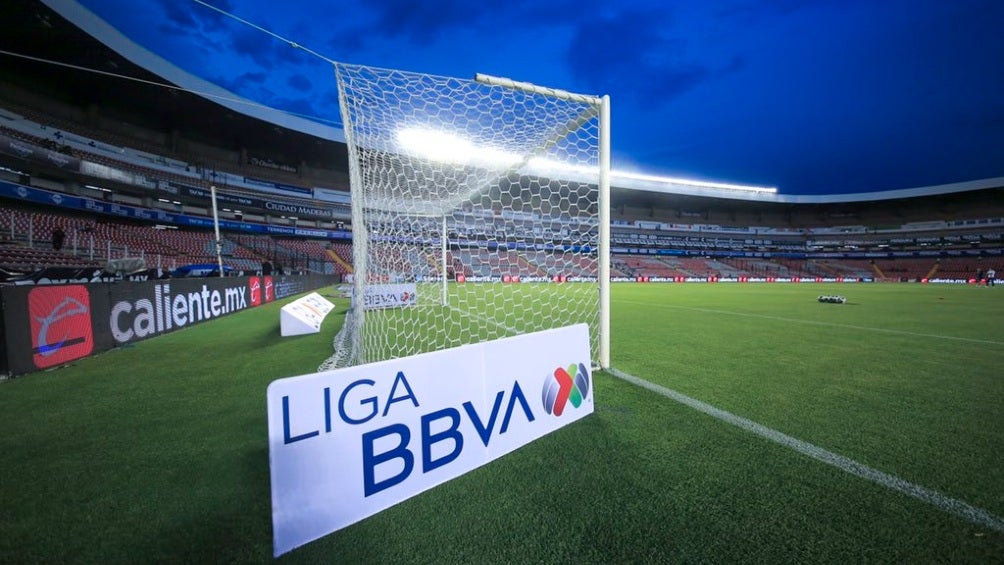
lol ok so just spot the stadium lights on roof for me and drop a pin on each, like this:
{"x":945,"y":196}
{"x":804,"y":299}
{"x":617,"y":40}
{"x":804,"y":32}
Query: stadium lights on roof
{"x":695,"y":183}
{"x":446,"y":147}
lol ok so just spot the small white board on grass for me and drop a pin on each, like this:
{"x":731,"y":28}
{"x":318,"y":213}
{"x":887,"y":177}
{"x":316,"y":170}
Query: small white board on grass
{"x":304,"y":315}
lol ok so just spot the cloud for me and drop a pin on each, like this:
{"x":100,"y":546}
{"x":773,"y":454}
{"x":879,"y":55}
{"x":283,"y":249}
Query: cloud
{"x":300,"y":106}
{"x":245,"y":84}
{"x":189,"y":17}
{"x":422,"y":21}
{"x":747,"y":10}
{"x":264,"y":51}
{"x":633,"y":54}
{"x":259,"y":87}
{"x":257,"y":78}
{"x":300,"y":82}
{"x":201,"y":27}
{"x":177,"y":15}
{"x":191,"y":14}
{"x":215,"y":33}
{"x":250,"y":43}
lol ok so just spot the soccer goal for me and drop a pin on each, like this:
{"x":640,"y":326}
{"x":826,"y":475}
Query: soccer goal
{"x":480,"y":210}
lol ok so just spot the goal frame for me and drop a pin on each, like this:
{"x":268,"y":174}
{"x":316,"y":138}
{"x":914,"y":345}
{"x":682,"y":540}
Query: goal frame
{"x":599,"y":114}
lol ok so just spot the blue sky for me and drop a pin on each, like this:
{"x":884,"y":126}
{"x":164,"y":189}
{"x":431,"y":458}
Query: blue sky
{"x":813,"y":97}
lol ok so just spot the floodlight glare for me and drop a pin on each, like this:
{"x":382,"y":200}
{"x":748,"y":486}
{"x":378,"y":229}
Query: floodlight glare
{"x":444,"y":147}
{"x":694,"y":183}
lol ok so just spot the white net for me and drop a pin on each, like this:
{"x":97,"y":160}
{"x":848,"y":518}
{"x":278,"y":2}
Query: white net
{"x":475,"y":211}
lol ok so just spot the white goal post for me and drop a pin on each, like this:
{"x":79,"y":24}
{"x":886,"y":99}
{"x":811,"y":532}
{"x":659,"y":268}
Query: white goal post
{"x":480,"y":210}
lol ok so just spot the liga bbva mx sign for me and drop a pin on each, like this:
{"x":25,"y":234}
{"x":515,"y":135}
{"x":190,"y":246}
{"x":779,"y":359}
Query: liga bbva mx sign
{"x":348,"y":443}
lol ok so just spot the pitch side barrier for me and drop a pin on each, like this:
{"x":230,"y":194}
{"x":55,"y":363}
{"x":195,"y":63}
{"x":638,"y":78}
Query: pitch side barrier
{"x":48,"y":325}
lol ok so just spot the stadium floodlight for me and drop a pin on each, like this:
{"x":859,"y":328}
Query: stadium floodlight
{"x":624,"y":175}
{"x":480,"y":210}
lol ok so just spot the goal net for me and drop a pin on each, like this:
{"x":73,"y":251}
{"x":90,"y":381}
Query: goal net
{"x":476,"y":211}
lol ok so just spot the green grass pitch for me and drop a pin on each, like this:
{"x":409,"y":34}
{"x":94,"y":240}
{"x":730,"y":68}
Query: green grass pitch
{"x":158,"y":452}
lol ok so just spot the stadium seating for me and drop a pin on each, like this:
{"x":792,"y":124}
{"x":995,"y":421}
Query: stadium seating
{"x":95,"y":241}
{"x":904,"y":269}
{"x":851,"y":241}
{"x":967,"y":267}
{"x":26,"y":259}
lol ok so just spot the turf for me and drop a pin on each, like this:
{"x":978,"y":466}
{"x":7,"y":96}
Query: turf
{"x":158,"y":452}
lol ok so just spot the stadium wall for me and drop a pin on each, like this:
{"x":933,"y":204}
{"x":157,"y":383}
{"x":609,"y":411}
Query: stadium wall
{"x":49,"y":325}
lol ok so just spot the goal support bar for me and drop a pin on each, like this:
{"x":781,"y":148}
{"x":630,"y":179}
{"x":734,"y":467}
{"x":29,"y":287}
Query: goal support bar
{"x":603,"y":103}
{"x":604,"y":213}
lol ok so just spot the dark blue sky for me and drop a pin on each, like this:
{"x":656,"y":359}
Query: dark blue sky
{"x":813,"y":97}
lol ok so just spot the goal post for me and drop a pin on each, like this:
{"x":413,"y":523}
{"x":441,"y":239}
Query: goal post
{"x":480,"y":210}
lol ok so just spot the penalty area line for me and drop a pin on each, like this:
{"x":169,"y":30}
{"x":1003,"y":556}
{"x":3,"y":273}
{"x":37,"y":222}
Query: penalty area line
{"x":934,"y":498}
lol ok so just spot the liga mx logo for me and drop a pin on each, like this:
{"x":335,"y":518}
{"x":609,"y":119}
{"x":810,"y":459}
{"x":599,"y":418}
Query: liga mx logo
{"x":567,"y":384}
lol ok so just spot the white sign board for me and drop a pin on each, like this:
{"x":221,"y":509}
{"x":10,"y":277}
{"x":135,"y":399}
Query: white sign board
{"x":304,"y":315}
{"x":379,"y":296}
{"x":348,"y":443}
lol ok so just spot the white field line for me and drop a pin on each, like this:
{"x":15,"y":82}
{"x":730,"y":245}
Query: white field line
{"x":938,"y":500}
{"x":815,"y":322}
{"x":496,"y":323}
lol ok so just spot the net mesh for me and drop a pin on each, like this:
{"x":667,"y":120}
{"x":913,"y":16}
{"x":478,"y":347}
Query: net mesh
{"x":474,"y":211}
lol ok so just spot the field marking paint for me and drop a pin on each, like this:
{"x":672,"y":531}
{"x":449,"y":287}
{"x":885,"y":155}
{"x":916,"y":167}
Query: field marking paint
{"x":817,"y":323}
{"x":496,"y":323}
{"x":938,"y":500}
